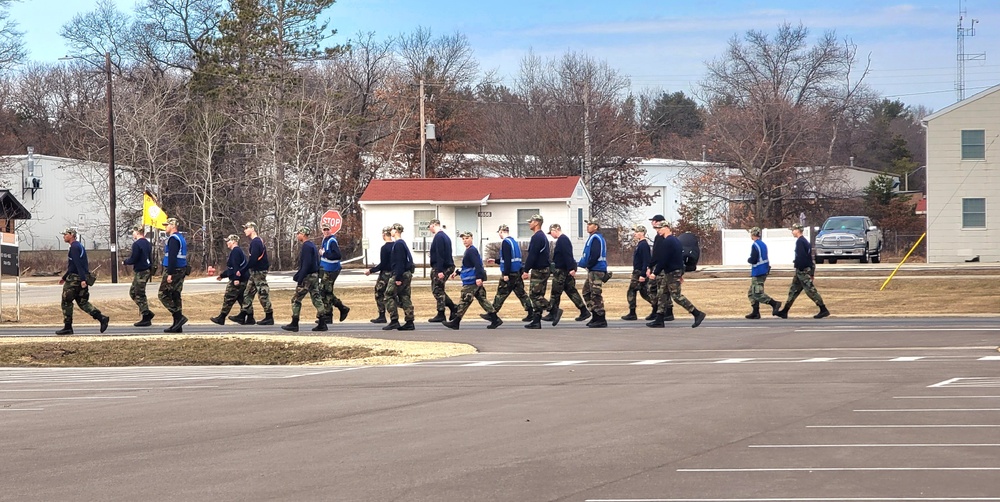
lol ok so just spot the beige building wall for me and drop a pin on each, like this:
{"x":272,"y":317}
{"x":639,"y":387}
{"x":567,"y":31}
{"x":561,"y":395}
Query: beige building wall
{"x":951,"y":179}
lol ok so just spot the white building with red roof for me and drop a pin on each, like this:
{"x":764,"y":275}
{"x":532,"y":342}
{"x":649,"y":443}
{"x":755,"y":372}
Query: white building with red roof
{"x":477,"y":205}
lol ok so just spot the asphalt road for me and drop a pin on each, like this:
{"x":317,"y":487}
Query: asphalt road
{"x":832,"y":410}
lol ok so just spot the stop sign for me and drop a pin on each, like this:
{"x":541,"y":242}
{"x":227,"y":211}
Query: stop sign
{"x":332,"y":218}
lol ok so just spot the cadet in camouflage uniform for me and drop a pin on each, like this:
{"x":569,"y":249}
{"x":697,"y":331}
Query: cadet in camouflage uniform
{"x":442,"y":268}
{"x":237,"y":271}
{"x":510,"y":273}
{"x":307,"y":283}
{"x":329,"y":270}
{"x":473,"y":274}
{"x":384,"y":273}
{"x":668,"y":265}
{"x":638,"y":285}
{"x":397,"y":291}
{"x":175,"y":269}
{"x":259,"y":265}
{"x":759,"y":268}
{"x":142,"y":263}
{"x":564,"y":275}
{"x":805,"y":269}
{"x":75,"y":287}
{"x":536,"y":268}
{"x":595,"y":260}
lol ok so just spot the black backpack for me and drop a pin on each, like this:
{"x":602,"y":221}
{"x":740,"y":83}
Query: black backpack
{"x":690,"y":251}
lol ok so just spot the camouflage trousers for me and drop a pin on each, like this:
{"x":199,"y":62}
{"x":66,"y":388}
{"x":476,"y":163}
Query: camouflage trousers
{"x":170,"y":292}
{"x":637,"y":288}
{"x":669,"y":289}
{"x":234,"y":296}
{"x":654,"y":294}
{"x":380,"y":284}
{"x":756,"y":293}
{"x":803,"y":281}
{"x":593,"y":291}
{"x":514,"y":284}
{"x":536,"y":293}
{"x":326,"y":284}
{"x":138,"y":290}
{"x":308,"y":286}
{"x":73,"y":291}
{"x":472,"y":292}
{"x":398,"y":295}
{"x":437,"y":287}
{"x":257,"y":285}
{"x":562,"y":282}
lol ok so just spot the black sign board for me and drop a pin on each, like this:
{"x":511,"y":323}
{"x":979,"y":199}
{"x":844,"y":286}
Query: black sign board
{"x":8,"y":260}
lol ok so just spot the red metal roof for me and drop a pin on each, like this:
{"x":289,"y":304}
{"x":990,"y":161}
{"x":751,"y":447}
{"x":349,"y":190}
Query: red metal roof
{"x":470,"y":189}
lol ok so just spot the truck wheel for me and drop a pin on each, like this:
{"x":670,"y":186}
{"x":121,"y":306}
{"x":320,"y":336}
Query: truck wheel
{"x":864,"y":257}
{"x":819,"y":261}
{"x":833,"y":261}
{"x":877,"y":257}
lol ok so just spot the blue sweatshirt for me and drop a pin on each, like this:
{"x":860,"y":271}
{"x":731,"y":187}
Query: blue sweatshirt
{"x":308,"y":261}
{"x":258,"y":255}
{"x":385,"y":256}
{"x":77,"y":263}
{"x":441,"y":258}
{"x":141,"y":257}
{"x":237,"y":263}
{"x":803,"y":254}
{"x":472,"y":266}
{"x":641,"y":256}
{"x":330,"y":260}
{"x":595,"y":254}
{"x":538,"y":252}
{"x":562,"y":255}
{"x":400,"y":262}
{"x":668,"y":255}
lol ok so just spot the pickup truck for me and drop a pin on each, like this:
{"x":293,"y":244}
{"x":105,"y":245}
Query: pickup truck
{"x":852,"y":237}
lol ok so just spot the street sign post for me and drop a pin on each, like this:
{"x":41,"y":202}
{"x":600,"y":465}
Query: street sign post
{"x":9,"y":265}
{"x":332,"y":218}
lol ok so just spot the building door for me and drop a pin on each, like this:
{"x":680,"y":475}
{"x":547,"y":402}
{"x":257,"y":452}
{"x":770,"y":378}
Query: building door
{"x":466,"y":220}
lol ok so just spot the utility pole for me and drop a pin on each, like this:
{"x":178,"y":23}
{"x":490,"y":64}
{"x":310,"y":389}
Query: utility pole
{"x":961,"y":57}
{"x":111,"y":174}
{"x":423,"y":134}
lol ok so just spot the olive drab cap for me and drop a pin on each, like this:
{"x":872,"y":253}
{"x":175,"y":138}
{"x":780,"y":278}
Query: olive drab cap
{"x":232,"y":237}
{"x":503,"y":228}
{"x":69,"y":230}
{"x":797,"y":227}
{"x":386,"y":230}
{"x":435,"y":221}
{"x":138,"y":228}
{"x":754,"y":231}
{"x":172,"y":221}
{"x":325,"y":227}
{"x":554,"y":226}
{"x":535,"y":217}
{"x":397,"y":227}
{"x":639,"y":228}
{"x":594,"y":221}
{"x":250,"y":224}
{"x":465,"y":234}
{"x":304,"y":230}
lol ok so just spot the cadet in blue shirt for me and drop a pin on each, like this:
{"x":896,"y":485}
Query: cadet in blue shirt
{"x":384,"y":272}
{"x":510,"y":273}
{"x":759,"y":268}
{"x":805,"y":269}
{"x":175,"y":269}
{"x":536,"y":268}
{"x":564,"y":275}
{"x":329,"y":264}
{"x":473,"y":274}
{"x":238,"y":272}
{"x":75,"y":287}
{"x":638,"y":285}
{"x":307,"y":282}
{"x":595,"y":260}
{"x":397,"y":291}
{"x":668,"y":265}
{"x":142,"y":263}
{"x":442,"y":268}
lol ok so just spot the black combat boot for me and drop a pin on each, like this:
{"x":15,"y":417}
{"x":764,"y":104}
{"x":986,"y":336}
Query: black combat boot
{"x":495,"y":321}
{"x":536,"y":321}
{"x":657,"y":322}
{"x":556,"y":315}
{"x":220,"y":319}
{"x":439,"y":317}
{"x":407,"y":326}
{"x":451,"y":324}
{"x":528,"y":317}
{"x":652,"y":315}
{"x":104,"y":320}
{"x":669,"y":314}
{"x":550,"y":316}
{"x":823,"y":312}
{"x":756,"y":311}
{"x":268,"y":319}
{"x":147,"y":320}
{"x":584,"y":314}
{"x":630,"y":316}
{"x":321,"y":324}
{"x":343,"y":313}
{"x":698,"y":317}
{"x":292,"y":326}
{"x":775,"y":307}
{"x":380,"y":319}
{"x":598,"y":322}
{"x":239,"y":318}
{"x":179,"y":321}
{"x":452,"y":308}
{"x":783,"y":313}
{"x":393,"y":324}
{"x":67,"y":329}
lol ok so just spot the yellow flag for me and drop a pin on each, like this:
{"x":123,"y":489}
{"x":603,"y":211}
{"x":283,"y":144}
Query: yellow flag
{"x":152,"y":215}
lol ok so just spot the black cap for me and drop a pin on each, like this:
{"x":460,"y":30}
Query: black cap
{"x":658,"y":217}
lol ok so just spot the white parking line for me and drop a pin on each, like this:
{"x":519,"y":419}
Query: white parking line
{"x":905,"y":410}
{"x":815,"y":499}
{"x":651,"y":361}
{"x":946,"y":397}
{"x":990,"y":358}
{"x":877,"y":445}
{"x":904,"y":426}
{"x":734,"y":360}
{"x":566,"y":363}
{"x":819,"y":359}
{"x":844,"y":469}
{"x":905,"y":359}
{"x":483,"y":363}
{"x":82,"y":398}
{"x":22,"y":409}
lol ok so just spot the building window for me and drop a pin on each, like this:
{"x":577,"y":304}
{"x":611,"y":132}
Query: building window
{"x":579,"y":192}
{"x":974,"y":145}
{"x":421,"y":219}
{"x":973,"y":213}
{"x":523,"y":230}
{"x":579,"y":222}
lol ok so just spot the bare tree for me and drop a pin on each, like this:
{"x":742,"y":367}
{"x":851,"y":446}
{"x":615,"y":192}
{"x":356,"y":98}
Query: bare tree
{"x":12,"y":50}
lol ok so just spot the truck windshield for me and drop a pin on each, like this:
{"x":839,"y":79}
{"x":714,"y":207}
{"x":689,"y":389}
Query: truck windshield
{"x":843,"y":224}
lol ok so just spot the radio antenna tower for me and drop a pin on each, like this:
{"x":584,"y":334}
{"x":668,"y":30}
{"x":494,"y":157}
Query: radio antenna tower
{"x":961,"y":56}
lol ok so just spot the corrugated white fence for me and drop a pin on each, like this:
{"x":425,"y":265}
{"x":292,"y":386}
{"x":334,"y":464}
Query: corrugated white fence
{"x":780,"y":246}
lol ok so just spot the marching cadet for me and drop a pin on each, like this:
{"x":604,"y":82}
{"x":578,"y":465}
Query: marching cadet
{"x":75,"y":287}
{"x":175,"y":269}
{"x":654,"y":286}
{"x":397,"y":290}
{"x":257,"y":284}
{"x":329,"y":264}
{"x":473,"y":274}
{"x":595,"y":260}
{"x":805,"y":269}
{"x":142,"y":264}
{"x":384,"y":272}
{"x":638,"y":285}
{"x":442,"y":269}
{"x":237,"y":271}
{"x":564,"y":275}
{"x":759,"y":268}
{"x":669,"y":266}
{"x":510,"y":273}
{"x":307,"y":282}
{"x":536,"y":267}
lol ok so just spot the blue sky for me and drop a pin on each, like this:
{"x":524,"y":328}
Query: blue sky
{"x":659,"y":44}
